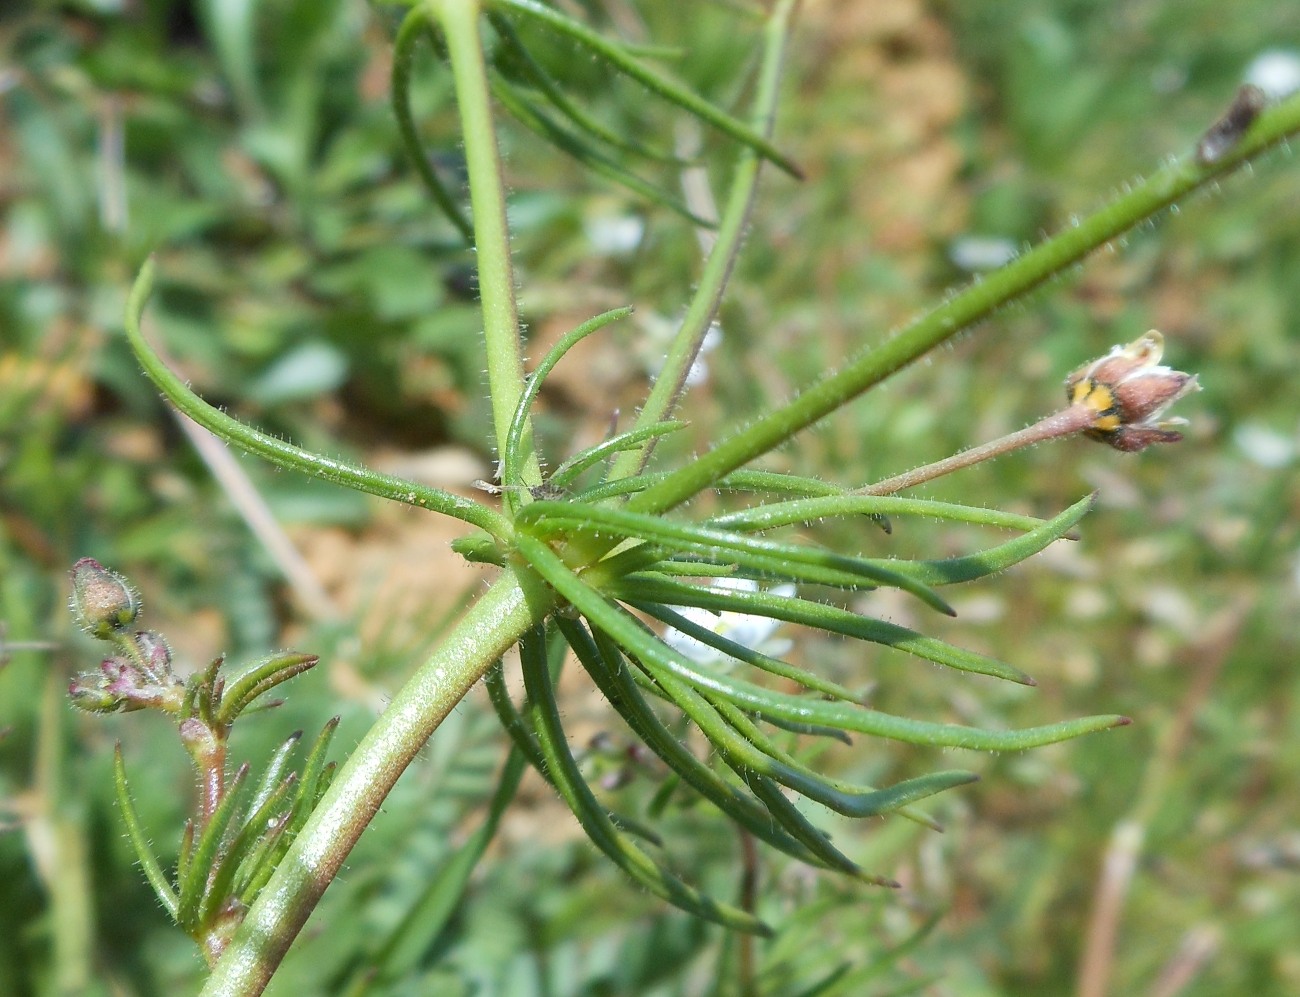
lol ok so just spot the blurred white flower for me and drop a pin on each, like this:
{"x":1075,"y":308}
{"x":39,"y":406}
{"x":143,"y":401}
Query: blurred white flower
{"x":1276,"y":71}
{"x":1265,"y":446}
{"x":753,"y":632}
{"x":977,"y":253}
{"x":660,"y":331}
{"x":614,"y":234}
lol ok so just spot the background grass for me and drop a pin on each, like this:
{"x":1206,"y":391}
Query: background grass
{"x":308,"y":285}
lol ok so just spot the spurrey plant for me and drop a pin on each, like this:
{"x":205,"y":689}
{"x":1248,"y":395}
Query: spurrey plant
{"x":597,"y":559}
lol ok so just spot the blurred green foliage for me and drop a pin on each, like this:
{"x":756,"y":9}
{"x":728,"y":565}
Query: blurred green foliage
{"x":309,"y":286}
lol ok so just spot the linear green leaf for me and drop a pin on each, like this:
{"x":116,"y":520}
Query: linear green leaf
{"x":286,"y":454}
{"x":708,"y":541}
{"x":595,"y":821}
{"x":738,"y":739}
{"x":522,"y":734}
{"x":139,"y":840}
{"x":510,"y":469}
{"x":575,"y":465}
{"x":962,"y":569}
{"x":238,"y":848}
{"x":653,"y":81}
{"x":528,"y":114}
{"x":260,"y":677}
{"x":207,"y":852}
{"x":774,"y":666}
{"x":642,"y":589}
{"x":514,"y":53}
{"x":631,"y":636}
{"x":807,"y":510}
{"x":274,"y":773}
{"x":412,"y":27}
{"x":788,"y":832}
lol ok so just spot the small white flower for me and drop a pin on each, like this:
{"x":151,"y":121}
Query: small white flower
{"x":753,"y":632}
{"x":1276,"y":71}
{"x":1264,"y":446}
{"x":977,"y":253}
{"x":659,"y":333}
{"x":614,"y":234}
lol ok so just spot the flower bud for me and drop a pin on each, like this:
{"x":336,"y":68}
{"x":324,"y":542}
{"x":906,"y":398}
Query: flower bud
{"x":155,"y":655}
{"x":102,"y":601}
{"x":87,"y":693}
{"x":1128,"y":390}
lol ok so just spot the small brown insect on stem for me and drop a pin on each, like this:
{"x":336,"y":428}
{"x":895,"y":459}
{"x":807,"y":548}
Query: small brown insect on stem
{"x":1225,"y":133}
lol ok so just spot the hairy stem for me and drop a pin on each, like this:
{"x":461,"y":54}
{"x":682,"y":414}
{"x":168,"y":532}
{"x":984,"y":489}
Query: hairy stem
{"x":459,"y":20}
{"x":490,"y":628}
{"x":1066,"y":422}
{"x":1143,"y":199}
{"x":704,"y":304}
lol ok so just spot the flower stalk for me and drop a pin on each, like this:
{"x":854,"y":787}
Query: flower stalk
{"x":1117,"y":399}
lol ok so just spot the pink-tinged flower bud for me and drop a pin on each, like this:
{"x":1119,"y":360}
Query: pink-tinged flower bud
{"x":101,"y":599}
{"x":87,"y":693}
{"x":155,"y":655}
{"x":1128,"y":390}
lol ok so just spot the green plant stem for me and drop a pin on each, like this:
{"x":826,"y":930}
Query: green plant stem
{"x":496,"y":282}
{"x":1142,"y":200}
{"x":671,"y":380}
{"x":487,"y":631}
{"x":1066,"y":422}
{"x":415,"y":24}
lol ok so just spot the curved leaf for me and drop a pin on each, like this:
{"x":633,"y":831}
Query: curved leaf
{"x":412,"y":27}
{"x":641,"y":589}
{"x":595,"y":821}
{"x":139,"y":840}
{"x":653,"y":81}
{"x":630,"y":635}
{"x":286,"y":454}
{"x":551,"y":517}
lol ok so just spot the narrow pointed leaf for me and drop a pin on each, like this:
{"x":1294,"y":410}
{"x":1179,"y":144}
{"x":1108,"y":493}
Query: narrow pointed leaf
{"x":785,"y":832}
{"x":314,"y":776}
{"x":631,"y":635}
{"x":653,"y":81}
{"x":510,"y":467}
{"x":237,"y":849}
{"x":139,"y":840}
{"x":414,"y":25}
{"x":638,"y":590}
{"x":621,"y":486}
{"x":575,"y":465}
{"x":738,"y":741}
{"x":807,"y":510}
{"x":961,"y":569}
{"x":207,"y":852}
{"x":804,"y":831}
{"x":274,"y":773}
{"x":706,"y":541}
{"x":523,"y":735}
{"x":260,"y":677}
{"x":515,"y":55}
{"x":284,"y":454}
{"x":530,"y":116}
{"x":775,"y":666}
{"x":595,"y":821}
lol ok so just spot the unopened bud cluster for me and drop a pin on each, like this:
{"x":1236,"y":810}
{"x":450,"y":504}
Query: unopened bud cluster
{"x":140,"y":674}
